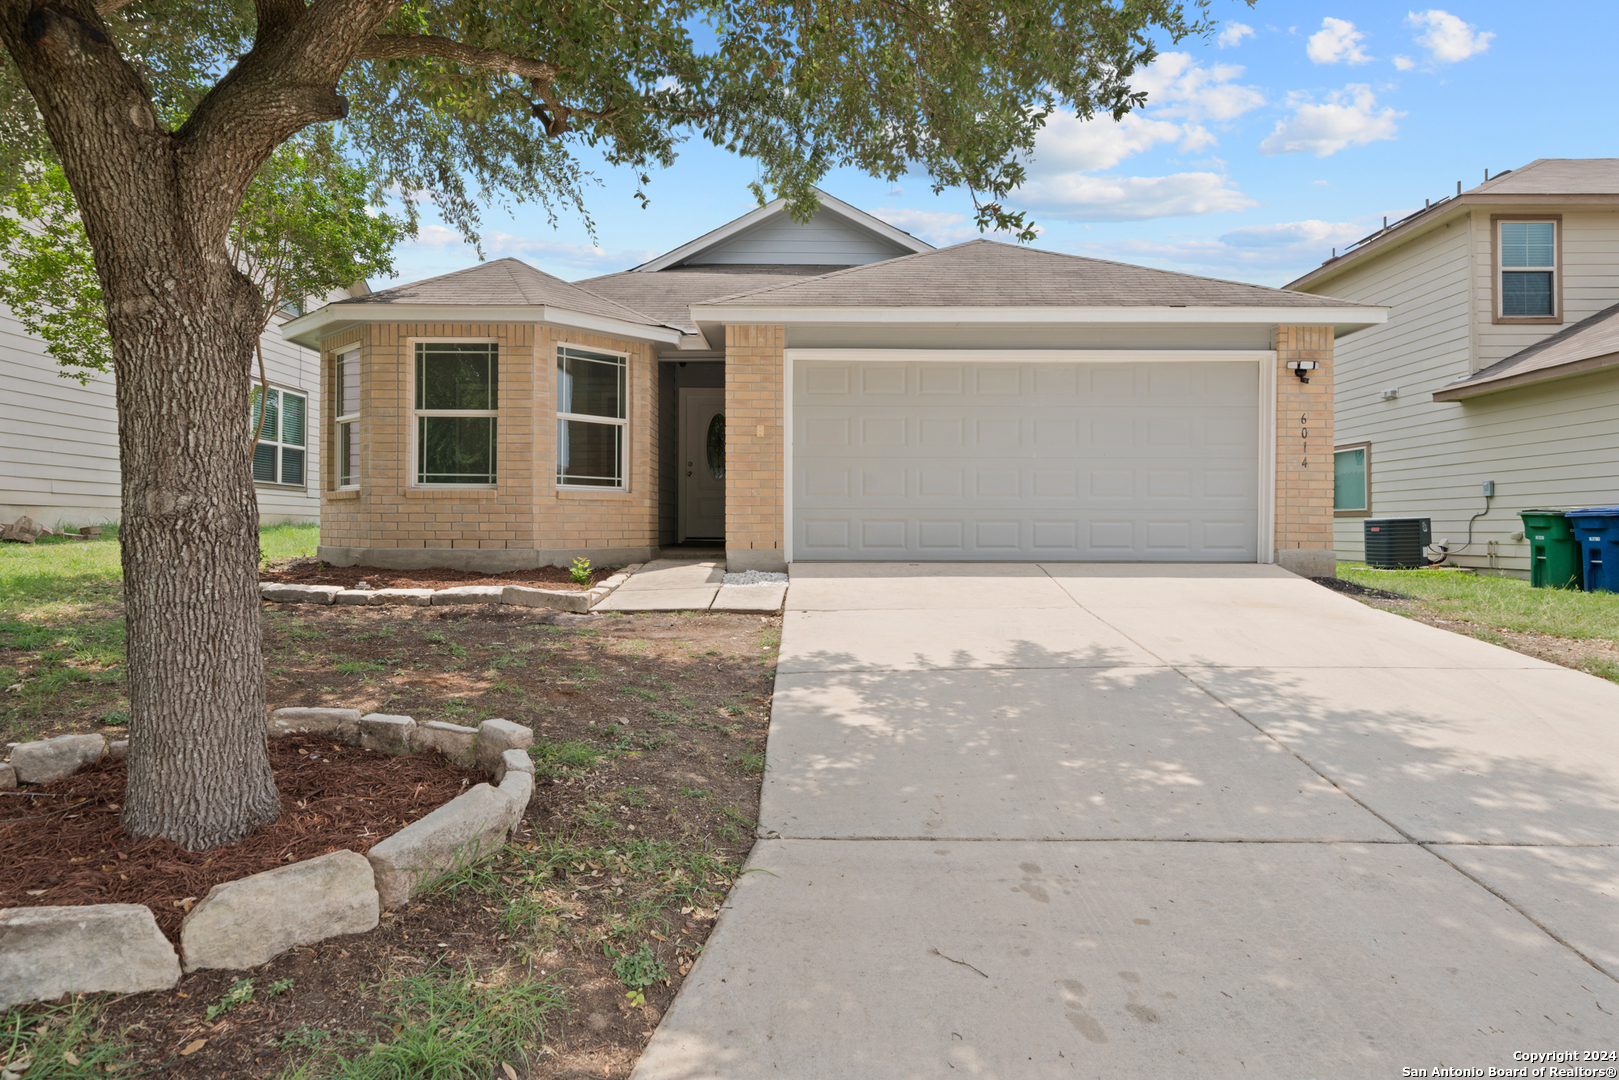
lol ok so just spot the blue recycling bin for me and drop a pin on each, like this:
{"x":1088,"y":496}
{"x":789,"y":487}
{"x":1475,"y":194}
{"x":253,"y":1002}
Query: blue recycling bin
{"x":1597,"y":530}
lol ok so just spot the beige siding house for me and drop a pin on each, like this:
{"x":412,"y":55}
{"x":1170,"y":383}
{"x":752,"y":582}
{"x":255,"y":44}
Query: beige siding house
{"x":1499,"y":361}
{"x":59,"y":440}
{"x":830,"y":391}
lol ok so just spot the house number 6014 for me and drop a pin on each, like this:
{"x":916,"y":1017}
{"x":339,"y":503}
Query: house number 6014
{"x":1304,"y":437}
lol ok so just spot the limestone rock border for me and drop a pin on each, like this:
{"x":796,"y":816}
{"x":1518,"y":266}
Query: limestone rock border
{"x":49,"y":950}
{"x":511,"y":595}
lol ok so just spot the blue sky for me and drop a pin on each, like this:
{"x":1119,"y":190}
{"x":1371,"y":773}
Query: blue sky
{"x":1295,"y":129}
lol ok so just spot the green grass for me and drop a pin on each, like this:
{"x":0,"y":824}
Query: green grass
{"x":288,"y":541}
{"x":63,"y":1042}
{"x":553,"y":760}
{"x":1500,"y":602}
{"x":450,"y":1025}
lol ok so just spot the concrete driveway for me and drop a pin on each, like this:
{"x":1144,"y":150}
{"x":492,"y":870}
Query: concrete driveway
{"x":1129,"y":821}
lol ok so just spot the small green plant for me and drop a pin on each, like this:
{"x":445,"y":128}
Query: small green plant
{"x":637,"y":970}
{"x":356,"y":667}
{"x":240,"y":994}
{"x":279,"y":987}
{"x":116,"y":718}
{"x":304,"y":1037}
{"x":752,"y":761}
{"x":580,"y":571}
{"x":64,"y":1042}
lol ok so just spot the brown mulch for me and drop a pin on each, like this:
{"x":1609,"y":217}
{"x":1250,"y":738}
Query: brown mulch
{"x":333,"y":797}
{"x":315,"y":572}
{"x":1354,"y":589}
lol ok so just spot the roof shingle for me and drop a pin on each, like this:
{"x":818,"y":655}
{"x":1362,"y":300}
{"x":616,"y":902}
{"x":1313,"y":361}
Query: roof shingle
{"x":986,"y":273}
{"x":501,"y":282}
{"x":1594,"y":336}
{"x":667,"y":295}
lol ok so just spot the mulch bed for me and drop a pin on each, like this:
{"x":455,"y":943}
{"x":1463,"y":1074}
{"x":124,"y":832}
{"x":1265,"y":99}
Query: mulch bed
{"x":314,"y":572}
{"x":332,"y":796}
{"x":1350,"y":588}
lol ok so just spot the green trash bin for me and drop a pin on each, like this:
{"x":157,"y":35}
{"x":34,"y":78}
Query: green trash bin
{"x":1554,"y":553}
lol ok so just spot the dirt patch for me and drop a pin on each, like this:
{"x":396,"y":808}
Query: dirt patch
{"x":64,"y":844}
{"x":315,"y":572}
{"x":650,"y":738}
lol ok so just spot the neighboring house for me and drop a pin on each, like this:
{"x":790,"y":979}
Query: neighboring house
{"x":829,"y":391}
{"x":1499,"y":361}
{"x":59,"y":440}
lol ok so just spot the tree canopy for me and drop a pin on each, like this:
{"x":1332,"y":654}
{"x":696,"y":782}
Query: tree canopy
{"x":470,"y":103}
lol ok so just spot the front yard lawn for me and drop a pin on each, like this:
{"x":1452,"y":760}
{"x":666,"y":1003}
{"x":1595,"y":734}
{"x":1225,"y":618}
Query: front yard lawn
{"x":558,"y":956}
{"x":1575,"y":629}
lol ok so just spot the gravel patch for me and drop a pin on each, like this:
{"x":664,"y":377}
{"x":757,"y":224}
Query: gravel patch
{"x":756,"y":577}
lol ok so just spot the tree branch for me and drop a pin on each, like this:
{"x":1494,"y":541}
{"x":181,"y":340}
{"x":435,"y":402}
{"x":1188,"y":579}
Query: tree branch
{"x":410,"y":46}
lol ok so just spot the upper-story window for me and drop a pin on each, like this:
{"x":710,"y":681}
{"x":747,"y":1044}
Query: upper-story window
{"x":456,"y":400}
{"x":278,"y":455}
{"x":346,"y":391}
{"x":1527,"y":258}
{"x":592,"y":418}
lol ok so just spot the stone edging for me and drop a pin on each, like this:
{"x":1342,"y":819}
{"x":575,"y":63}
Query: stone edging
{"x":515,"y":595}
{"x":53,"y":950}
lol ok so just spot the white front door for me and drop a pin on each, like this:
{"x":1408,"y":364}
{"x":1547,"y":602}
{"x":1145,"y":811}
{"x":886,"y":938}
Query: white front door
{"x":702,"y":464}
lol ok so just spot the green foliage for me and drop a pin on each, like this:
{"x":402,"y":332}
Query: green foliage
{"x":63,"y":1042}
{"x":48,"y":275}
{"x":639,"y":969}
{"x":239,"y":994}
{"x":557,"y":759}
{"x":580,"y":571}
{"x":453,"y":1026}
{"x":304,"y":230}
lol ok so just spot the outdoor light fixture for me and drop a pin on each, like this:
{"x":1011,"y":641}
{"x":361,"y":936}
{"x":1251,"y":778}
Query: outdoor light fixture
{"x":1299,"y":367}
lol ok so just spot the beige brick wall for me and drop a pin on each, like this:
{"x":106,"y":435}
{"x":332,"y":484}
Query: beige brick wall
{"x":1304,"y":451}
{"x":754,"y":447}
{"x":525,"y":511}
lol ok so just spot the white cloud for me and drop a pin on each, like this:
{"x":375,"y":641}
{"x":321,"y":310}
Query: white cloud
{"x":1069,"y":144}
{"x":1448,"y":39}
{"x":1337,"y":40}
{"x":1179,"y":87}
{"x":1271,"y":254}
{"x":1404,"y":63}
{"x":1233,"y":34}
{"x":1077,"y":197}
{"x":1320,"y":183}
{"x":1349,"y":117}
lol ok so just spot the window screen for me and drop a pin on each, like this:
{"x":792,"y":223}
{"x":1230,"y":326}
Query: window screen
{"x":456,"y":396}
{"x":1528,"y":269}
{"x":592,"y":417}
{"x":1349,"y":488}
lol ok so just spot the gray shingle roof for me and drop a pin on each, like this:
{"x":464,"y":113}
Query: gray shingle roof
{"x":667,"y":295}
{"x":985,"y":273}
{"x":1591,"y":337}
{"x":505,"y":281}
{"x":1556,"y":176}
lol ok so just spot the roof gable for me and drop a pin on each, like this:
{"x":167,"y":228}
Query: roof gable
{"x":986,"y":273}
{"x":503,"y":282}
{"x":838,"y":235}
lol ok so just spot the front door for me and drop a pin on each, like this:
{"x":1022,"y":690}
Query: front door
{"x":702,"y":464}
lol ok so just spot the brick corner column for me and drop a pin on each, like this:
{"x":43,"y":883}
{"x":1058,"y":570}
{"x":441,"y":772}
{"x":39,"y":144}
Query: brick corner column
{"x":1304,"y":453}
{"x":755,"y":528}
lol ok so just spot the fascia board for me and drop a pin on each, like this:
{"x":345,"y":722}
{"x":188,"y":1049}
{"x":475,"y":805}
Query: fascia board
{"x":1349,"y":317}
{"x":860,"y":219}
{"x":1462,"y":391}
{"x":309,"y":329}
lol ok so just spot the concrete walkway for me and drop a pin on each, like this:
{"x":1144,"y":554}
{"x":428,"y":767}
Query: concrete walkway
{"x":690,"y":585}
{"x":1132,"y":821}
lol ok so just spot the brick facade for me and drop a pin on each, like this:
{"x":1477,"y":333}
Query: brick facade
{"x":525,"y":519}
{"x":755,"y":442}
{"x":1304,"y":452}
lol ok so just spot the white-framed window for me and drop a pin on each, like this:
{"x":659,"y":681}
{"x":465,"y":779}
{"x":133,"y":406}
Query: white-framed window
{"x":456,"y":396}
{"x":1527,"y":258}
{"x":1352,"y":480}
{"x":346,"y":391}
{"x":592,"y":418}
{"x":278,"y":456}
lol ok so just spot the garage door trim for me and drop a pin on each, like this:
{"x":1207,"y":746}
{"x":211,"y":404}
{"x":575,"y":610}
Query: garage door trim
{"x":1265,"y":358}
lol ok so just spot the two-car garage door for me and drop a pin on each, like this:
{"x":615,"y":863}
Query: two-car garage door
{"x":1004,"y":460}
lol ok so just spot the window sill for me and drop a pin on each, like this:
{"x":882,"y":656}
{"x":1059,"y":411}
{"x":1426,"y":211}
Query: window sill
{"x":1528,"y":320}
{"x":280,"y":487}
{"x":1351,"y":513}
{"x":342,"y":494}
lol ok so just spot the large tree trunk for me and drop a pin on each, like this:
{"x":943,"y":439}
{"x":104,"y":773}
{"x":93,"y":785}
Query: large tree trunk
{"x":199,"y":771}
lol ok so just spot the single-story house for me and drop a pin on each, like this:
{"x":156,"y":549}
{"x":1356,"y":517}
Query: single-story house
{"x":1499,"y":361}
{"x":831,"y":391}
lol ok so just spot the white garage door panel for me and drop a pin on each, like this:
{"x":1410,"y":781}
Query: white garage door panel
{"x":921,"y":460}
